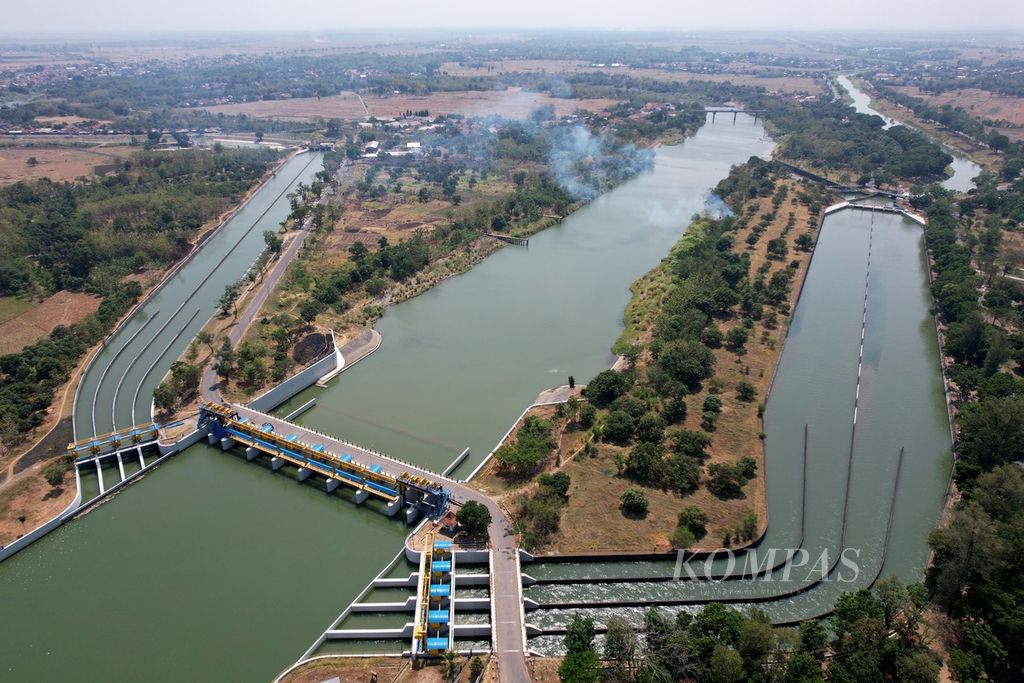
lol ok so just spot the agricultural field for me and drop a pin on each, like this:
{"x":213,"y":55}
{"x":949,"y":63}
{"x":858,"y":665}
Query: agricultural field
{"x":23,"y":322}
{"x":513,"y":103}
{"x":981,"y":104}
{"x":787,"y":84}
{"x":57,"y":163}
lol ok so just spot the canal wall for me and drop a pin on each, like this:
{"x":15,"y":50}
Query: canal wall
{"x":46,"y":527}
{"x":127,"y":317}
{"x":301,"y":380}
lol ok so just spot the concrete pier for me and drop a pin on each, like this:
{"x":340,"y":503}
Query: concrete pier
{"x":227,"y":443}
{"x":332,"y":485}
{"x":251,"y":453}
{"x":120,"y":466}
{"x":304,"y":473}
{"x":276,"y":463}
{"x":361,"y":495}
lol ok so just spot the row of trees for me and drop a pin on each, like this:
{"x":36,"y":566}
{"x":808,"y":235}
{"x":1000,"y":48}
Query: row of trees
{"x":870,"y":637}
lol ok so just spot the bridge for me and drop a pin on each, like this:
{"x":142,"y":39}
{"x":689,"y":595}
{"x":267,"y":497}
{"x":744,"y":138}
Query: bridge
{"x":715,"y":111}
{"x":322,"y":457}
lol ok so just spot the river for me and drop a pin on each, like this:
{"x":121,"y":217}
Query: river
{"x":212,"y":569}
{"x":963,"y":169}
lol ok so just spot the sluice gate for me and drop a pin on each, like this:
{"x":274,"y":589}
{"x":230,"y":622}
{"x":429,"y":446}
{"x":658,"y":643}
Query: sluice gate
{"x":228,"y":428}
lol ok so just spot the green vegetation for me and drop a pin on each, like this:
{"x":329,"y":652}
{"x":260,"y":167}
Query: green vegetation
{"x":634,"y":503}
{"x":474,"y":517}
{"x":522,"y":457}
{"x":538,"y":515}
{"x":87,"y":237}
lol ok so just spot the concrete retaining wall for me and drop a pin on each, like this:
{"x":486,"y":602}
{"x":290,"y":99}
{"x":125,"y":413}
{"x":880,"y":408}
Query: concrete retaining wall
{"x":46,"y":527}
{"x":294,"y":384}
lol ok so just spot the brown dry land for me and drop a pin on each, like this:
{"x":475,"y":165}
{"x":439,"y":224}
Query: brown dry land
{"x":56,"y":163}
{"x":359,"y":670}
{"x":596,"y":484}
{"x":30,"y":498}
{"x":980,"y":104}
{"x":788,"y":84}
{"x":39,"y":319}
{"x":512,"y":103}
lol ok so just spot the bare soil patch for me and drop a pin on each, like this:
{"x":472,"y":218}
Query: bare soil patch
{"x":56,"y":163}
{"x":359,"y":670}
{"x":513,"y":103}
{"x":62,"y":308}
{"x":28,"y":496}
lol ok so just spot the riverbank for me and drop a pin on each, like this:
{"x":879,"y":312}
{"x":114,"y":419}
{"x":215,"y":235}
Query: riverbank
{"x":765,"y":240}
{"x":976,"y":152}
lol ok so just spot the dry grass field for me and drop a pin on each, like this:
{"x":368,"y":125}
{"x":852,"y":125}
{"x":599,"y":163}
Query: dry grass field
{"x":980,"y":104}
{"x":791,"y":84}
{"x":512,"y":103}
{"x":33,"y":321}
{"x":56,"y":163}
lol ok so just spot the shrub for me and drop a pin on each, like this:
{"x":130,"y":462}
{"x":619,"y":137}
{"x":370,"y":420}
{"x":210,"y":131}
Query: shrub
{"x":634,"y":502}
{"x":682,"y":538}
{"x":694,"y":520}
{"x":557,"y":483}
{"x":54,"y":474}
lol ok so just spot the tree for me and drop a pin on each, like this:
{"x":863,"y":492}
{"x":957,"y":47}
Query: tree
{"x":618,"y":427}
{"x":650,"y":428}
{"x":474,"y":517}
{"x":572,"y":382}
{"x":273,"y":241}
{"x":634,"y":503}
{"x":225,"y":360}
{"x":165,"y":396}
{"x":814,"y":638}
{"x":54,"y":473}
{"x":804,"y":241}
{"x":746,"y":391}
{"x":588,"y":413}
{"x":32,"y":161}
{"x":606,"y":387}
{"x":687,"y":362}
{"x":620,"y":645}
{"x":205,"y":337}
{"x":726,"y":665}
{"x":309,"y":309}
{"x":694,"y":519}
{"x":736,"y":338}
{"x":572,"y":409}
{"x":580,"y":664}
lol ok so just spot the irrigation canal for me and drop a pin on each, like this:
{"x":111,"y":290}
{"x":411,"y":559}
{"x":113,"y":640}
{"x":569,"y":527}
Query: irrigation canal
{"x":212,"y":569}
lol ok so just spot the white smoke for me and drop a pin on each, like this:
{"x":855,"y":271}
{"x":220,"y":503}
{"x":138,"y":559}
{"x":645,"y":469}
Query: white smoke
{"x":586,"y":164}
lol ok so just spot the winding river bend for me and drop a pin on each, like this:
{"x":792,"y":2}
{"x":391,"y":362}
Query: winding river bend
{"x":212,"y":569}
{"x":963,"y":169}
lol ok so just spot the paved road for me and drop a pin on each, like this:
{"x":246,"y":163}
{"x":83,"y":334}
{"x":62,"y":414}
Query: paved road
{"x":509,"y":646}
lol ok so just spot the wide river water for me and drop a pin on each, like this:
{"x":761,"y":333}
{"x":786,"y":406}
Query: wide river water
{"x":210,"y":569}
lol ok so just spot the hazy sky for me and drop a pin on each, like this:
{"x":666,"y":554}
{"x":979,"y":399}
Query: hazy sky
{"x":154,"y":16}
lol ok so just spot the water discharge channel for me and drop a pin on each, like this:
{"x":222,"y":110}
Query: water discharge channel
{"x":212,"y":569}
